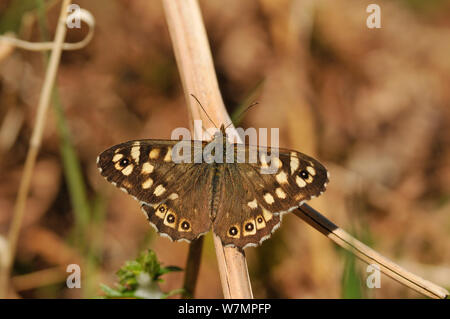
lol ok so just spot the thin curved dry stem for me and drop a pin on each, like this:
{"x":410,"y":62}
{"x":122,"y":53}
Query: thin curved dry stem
{"x":192,"y":267}
{"x":368,"y":255}
{"x":40,"y":278}
{"x":84,"y":16}
{"x":198,"y":77}
{"x":35,"y":142}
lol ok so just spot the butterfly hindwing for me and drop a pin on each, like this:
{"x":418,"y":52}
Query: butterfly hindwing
{"x":242,"y":219}
{"x":145,"y":170}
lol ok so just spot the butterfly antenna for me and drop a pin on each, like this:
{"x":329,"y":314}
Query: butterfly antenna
{"x":243,"y":112}
{"x":204,"y":110}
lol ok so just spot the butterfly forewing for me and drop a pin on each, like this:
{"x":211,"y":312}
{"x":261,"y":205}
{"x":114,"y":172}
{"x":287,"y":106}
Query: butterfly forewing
{"x":172,"y":195}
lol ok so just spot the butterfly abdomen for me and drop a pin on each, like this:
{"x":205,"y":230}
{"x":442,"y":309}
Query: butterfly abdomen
{"x":216,"y":189}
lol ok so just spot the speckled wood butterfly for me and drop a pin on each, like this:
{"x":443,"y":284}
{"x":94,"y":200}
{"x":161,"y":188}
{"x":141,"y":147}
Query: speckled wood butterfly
{"x":185,"y":200}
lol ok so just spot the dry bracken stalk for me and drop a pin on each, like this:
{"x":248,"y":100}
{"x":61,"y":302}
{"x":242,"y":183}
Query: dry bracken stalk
{"x":192,"y":267}
{"x":368,"y":255}
{"x":196,"y":68}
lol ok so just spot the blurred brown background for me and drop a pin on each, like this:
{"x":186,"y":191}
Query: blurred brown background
{"x":371,"y":104}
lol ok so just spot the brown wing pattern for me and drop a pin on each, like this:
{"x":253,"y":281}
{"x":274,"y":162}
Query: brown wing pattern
{"x":241,"y":201}
{"x":173,"y":196}
{"x":256,"y":202}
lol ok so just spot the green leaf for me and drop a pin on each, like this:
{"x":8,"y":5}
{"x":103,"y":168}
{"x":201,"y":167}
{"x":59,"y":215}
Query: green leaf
{"x":351,"y":279}
{"x":110,"y":292}
{"x":165,"y":270}
{"x":179,"y":291}
{"x":139,"y":279}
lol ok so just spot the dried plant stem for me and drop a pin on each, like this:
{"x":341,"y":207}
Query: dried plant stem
{"x":368,"y":255}
{"x":36,"y":138}
{"x":196,"y":68}
{"x":85,"y":16}
{"x":40,"y":278}
{"x":192,"y":267}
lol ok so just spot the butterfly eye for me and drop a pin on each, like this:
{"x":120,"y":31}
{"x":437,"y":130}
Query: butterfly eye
{"x":304,"y":174}
{"x":124,"y":162}
{"x":249,"y":227}
{"x":185,"y":225}
{"x":233,"y":231}
{"x":170,"y":218}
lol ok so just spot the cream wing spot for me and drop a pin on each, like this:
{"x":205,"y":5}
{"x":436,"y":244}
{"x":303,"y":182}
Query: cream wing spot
{"x":300,"y":182}
{"x":148,"y":183}
{"x":135,"y":153}
{"x":159,"y":190}
{"x":168,"y":157}
{"x":154,"y":153}
{"x":267,"y":215}
{"x":253,"y":204}
{"x":173,"y":196}
{"x":263,"y":160}
{"x":280,"y":193}
{"x":128,"y":170}
{"x":147,"y":168}
{"x":295,"y":163}
{"x":281,"y":178}
{"x":311,"y":170}
{"x":117,"y":157}
{"x":277,"y":163}
{"x":269,"y":198}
